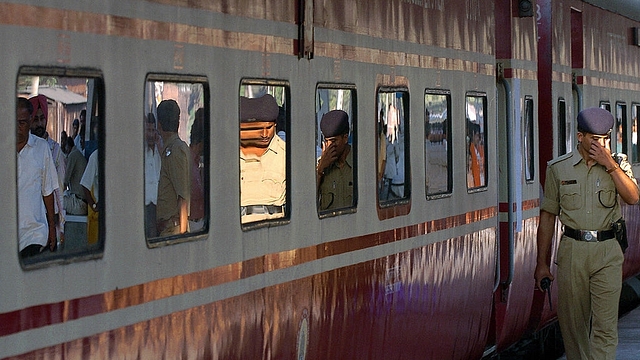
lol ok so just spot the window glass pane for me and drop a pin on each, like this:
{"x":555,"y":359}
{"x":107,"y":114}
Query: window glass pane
{"x":58,"y":133}
{"x":176,"y":124}
{"x":476,"y":142}
{"x":437,"y":143}
{"x":393,"y":120}
{"x":634,"y":134}
{"x":565,"y":129}
{"x":335,"y":149}
{"x":263,"y":160}
{"x":619,"y":133}
{"x":528,"y":139}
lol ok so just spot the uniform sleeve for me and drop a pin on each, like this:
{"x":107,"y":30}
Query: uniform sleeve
{"x":550,"y":200}
{"x":180,"y":173}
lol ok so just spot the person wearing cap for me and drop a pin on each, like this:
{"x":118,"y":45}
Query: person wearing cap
{"x":262,"y":161}
{"x":335,"y":166}
{"x":174,"y":185}
{"x":581,"y":189}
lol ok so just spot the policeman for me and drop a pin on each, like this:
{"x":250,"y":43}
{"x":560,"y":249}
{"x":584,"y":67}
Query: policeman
{"x":581,"y":189}
{"x":174,"y":186}
{"x":262,"y":161}
{"x":335,"y":165}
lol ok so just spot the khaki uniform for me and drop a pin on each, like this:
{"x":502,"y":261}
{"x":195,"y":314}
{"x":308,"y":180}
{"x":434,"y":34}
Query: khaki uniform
{"x":336,"y":189}
{"x":174,"y":182}
{"x":589,"y":273}
{"x":263,"y":183}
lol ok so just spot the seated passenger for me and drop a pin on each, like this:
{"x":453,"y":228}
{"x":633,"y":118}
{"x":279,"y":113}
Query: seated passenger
{"x":262,"y":161}
{"x":335,"y":166}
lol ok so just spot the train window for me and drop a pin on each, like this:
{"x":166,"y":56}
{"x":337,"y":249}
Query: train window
{"x":476,"y":141}
{"x":529,"y":151}
{"x":176,"y":158}
{"x":607,"y":106}
{"x":635,"y":150}
{"x":264,"y":119}
{"x":620,"y":129}
{"x":437,"y":144}
{"x":393,"y":144}
{"x":335,"y":150}
{"x":60,"y":178}
{"x":565,"y":128}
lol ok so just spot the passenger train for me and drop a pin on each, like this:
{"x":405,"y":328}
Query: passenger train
{"x":454,"y":109}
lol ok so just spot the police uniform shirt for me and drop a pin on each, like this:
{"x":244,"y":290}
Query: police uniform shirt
{"x":263,"y":179}
{"x":336,"y":189}
{"x":584,"y":198}
{"x":174,"y":178}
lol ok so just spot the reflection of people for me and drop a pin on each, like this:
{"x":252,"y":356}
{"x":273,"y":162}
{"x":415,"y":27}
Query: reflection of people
{"x":37,"y":179}
{"x":174,"y":187}
{"x":152,"y":163}
{"x":262,"y":161}
{"x":90,"y":182}
{"x":335,"y":166}
{"x":74,"y":197}
{"x":581,"y":189}
{"x":196,"y":214}
{"x":39,"y":129}
{"x":476,"y":152}
{"x":79,"y":137}
{"x":391,"y":185}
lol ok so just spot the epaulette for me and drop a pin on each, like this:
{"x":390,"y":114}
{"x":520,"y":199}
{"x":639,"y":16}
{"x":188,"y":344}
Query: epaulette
{"x":559,"y":158}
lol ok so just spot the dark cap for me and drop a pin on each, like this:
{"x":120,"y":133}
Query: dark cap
{"x":595,"y":121}
{"x":334,"y":123}
{"x":263,"y":108}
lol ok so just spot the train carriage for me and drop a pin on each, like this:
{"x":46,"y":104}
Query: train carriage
{"x":450,"y":107}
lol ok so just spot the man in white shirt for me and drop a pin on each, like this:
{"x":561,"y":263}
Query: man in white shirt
{"x":37,"y":180}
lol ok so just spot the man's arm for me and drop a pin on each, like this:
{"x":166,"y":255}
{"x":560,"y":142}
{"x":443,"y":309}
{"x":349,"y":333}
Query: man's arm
{"x":52,"y":239}
{"x":546,"y":229}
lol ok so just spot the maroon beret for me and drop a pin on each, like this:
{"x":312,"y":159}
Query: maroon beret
{"x":263,"y":108}
{"x":334,"y":123}
{"x":595,"y":120}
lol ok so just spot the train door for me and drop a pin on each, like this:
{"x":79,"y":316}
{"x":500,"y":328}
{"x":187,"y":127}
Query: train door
{"x":516,"y":157}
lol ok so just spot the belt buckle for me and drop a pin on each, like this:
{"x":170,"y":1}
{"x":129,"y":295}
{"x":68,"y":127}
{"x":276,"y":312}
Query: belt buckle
{"x":589,"y":235}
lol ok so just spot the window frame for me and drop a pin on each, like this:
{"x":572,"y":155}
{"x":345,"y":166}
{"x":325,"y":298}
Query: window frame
{"x":353,"y":134}
{"x":250,"y":81}
{"x":483,"y":96}
{"x":98,"y":96}
{"x":449,"y":138}
{"x":157,"y":242}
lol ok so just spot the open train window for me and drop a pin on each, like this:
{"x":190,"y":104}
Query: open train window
{"x":620,"y":129}
{"x":264,"y":113}
{"x":635,"y":150}
{"x":437,"y":143}
{"x":476,"y":141}
{"x":336,"y":173}
{"x":60,"y":165}
{"x":176,"y":158}
{"x":529,"y":151}
{"x":393,"y":147}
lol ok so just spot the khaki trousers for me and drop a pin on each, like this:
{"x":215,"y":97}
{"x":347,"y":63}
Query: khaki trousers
{"x":589,"y":285}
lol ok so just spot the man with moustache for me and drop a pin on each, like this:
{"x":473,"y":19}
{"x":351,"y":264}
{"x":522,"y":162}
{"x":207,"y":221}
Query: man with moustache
{"x":39,"y":129}
{"x":37,"y":180}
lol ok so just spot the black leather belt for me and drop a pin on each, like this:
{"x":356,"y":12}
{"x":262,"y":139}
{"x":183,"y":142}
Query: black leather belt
{"x":589,"y":235}
{"x":261,"y":209}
